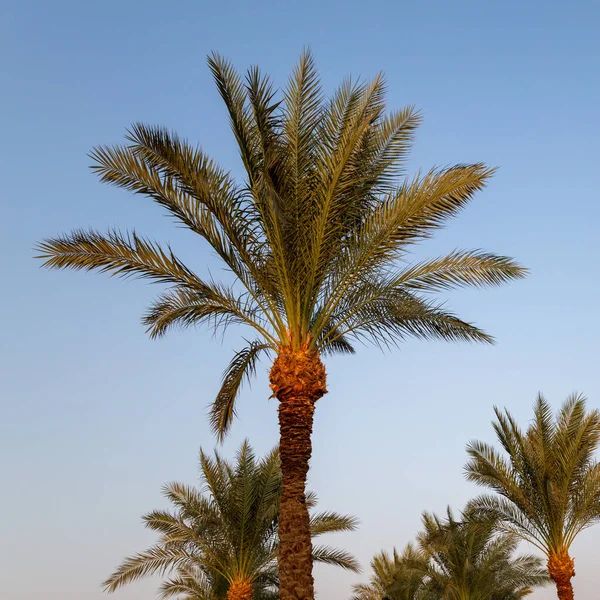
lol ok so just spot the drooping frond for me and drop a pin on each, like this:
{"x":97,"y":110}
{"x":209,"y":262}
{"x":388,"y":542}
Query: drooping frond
{"x":335,"y":557}
{"x":384,"y":313}
{"x":191,"y":583}
{"x":242,"y":367}
{"x":214,"y":305}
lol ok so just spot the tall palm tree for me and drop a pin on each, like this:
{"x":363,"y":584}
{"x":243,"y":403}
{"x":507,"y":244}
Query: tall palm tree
{"x":455,"y":560}
{"x":549,"y":482}
{"x":221,"y":541}
{"x":316,"y":237}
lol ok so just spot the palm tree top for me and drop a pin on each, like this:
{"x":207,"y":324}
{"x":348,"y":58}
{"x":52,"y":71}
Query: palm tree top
{"x":317,"y":235}
{"x":455,"y":558}
{"x":548,"y":478}
{"x":225,"y":530}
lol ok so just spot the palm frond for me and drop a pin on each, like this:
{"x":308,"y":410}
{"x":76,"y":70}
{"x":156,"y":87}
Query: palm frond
{"x":125,"y":255}
{"x":458,"y":269}
{"x":335,"y":557}
{"x":214,"y":305}
{"x":155,"y":560}
{"x":242,"y":367}
{"x":203,"y":212}
{"x":232,"y":91}
{"x":331,"y":522}
{"x":384,"y":314}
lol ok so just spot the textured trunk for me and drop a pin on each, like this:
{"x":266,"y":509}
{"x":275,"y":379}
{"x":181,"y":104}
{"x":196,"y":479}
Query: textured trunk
{"x":239,"y":589}
{"x":561,"y":568}
{"x":298,"y":381}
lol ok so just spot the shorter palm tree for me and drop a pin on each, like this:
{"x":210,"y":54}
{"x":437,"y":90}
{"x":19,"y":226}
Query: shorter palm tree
{"x":221,"y":541}
{"x":549,"y":483}
{"x":455,"y":560}
{"x":394,"y":576}
{"x":469,"y":560}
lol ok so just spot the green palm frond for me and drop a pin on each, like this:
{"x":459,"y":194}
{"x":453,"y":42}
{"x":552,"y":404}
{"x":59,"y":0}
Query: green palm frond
{"x":387,"y":315}
{"x":173,"y":530}
{"x":214,"y":305}
{"x":125,"y":255}
{"x":331,"y":522}
{"x":508,"y":518}
{"x":193,"y":584}
{"x":241,"y":368}
{"x":335,"y":557}
{"x":155,"y":560}
{"x":461,"y":268}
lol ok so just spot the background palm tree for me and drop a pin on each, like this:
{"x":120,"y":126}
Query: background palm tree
{"x":455,"y":560}
{"x":222,"y":542}
{"x":468,"y":560}
{"x":549,"y":482}
{"x":316,"y":238}
{"x":394,"y":576}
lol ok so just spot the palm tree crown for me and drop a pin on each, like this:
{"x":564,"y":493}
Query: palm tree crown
{"x":317,"y":236}
{"x":455,"y":560}
{"x":395,"y":577}
{"x":224,"y":538}
{"x":549,"y":482}
{"x":469,"y":561}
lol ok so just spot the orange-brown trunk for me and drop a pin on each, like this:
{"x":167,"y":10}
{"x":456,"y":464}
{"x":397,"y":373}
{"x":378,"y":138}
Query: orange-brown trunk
{"x":298,"y":381}
{"x":239,"y":589}
{"x":561,"y":568}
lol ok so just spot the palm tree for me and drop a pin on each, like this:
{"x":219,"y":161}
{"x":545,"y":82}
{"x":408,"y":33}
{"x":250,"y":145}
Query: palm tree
{"x":549,"y":483}
{"x":316,"y":238}
{"x":455,"y":560}
{"x":394,"y":577}
{"x":222,"y":542}
{"x":468,"y":560}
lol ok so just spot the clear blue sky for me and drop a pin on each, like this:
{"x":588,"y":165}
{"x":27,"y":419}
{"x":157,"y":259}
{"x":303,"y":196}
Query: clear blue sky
{"x":96,"y":417}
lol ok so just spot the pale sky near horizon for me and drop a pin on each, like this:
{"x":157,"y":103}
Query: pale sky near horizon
{"x":96,"y":417}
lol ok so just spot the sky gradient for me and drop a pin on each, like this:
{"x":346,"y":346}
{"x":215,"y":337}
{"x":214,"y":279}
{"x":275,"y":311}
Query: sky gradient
{"x":96,"y":417}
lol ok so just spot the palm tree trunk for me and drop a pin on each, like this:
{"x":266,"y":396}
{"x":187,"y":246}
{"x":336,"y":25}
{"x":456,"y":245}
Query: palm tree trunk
{"x":561,"y":568}
{"x":298,"y":381}
{"x":240,"y":589}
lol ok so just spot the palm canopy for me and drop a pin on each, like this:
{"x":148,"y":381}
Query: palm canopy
{"x":455,"y":560}
{"x":317,"y":236}
{"x":225,"y":532}
{"x":468,"y":560}
{"x":549,"y":481}
{"x":395,"y":577}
